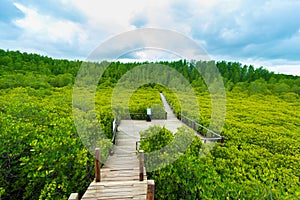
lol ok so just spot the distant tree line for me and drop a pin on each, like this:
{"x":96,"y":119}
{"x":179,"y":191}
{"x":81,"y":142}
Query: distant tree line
{"x":31,"y":70}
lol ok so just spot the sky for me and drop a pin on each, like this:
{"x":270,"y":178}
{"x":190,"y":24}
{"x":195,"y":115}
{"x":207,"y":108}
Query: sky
{"x":257,"y":32}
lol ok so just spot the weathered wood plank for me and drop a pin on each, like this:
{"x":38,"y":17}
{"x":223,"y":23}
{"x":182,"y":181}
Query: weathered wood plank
{"x":73,"y":196}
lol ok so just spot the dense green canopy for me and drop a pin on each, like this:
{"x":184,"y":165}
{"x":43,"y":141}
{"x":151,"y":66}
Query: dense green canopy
{"x":43,"y":157}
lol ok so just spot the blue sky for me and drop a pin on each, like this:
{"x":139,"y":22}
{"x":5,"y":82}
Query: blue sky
{"x":262,"y":33}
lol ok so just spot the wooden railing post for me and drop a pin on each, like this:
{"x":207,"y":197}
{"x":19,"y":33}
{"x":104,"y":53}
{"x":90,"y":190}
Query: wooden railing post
{"x":222,"y":139}
{"x":150,"y":189}
{"x":141,"y":165}
{"x":97,"y":165}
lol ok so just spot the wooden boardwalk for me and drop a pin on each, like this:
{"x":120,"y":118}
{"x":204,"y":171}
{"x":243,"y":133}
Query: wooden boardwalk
{"x":120,"y":175}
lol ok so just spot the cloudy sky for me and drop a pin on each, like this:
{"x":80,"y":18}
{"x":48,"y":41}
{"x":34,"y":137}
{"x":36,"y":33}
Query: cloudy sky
{"x":262,"y":33}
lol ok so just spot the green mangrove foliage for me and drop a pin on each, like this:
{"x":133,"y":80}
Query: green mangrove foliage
{"x":43,"y":157}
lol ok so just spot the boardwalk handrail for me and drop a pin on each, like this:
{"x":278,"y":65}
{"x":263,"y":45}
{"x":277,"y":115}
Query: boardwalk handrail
{"x":143,"y":115}
{"x":194,"y":124}
{"x":155,"y":115}
{"x":197,"y":124}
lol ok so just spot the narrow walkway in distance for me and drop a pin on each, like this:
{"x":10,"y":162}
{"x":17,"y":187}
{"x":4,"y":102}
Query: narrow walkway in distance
{"x":171,"y":123}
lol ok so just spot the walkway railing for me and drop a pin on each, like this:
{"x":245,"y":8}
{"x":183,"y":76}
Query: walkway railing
{"x":142,"y":116}
{"x":202,"y":130}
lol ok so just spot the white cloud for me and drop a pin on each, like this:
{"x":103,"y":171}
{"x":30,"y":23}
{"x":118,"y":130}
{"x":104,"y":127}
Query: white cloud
{"x":286,"y":69}
{"x":47,"y":28}
{"x":110,"y":16}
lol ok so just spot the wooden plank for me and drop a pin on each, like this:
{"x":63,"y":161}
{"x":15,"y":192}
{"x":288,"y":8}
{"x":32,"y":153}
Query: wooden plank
{"x":73,"y":196}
